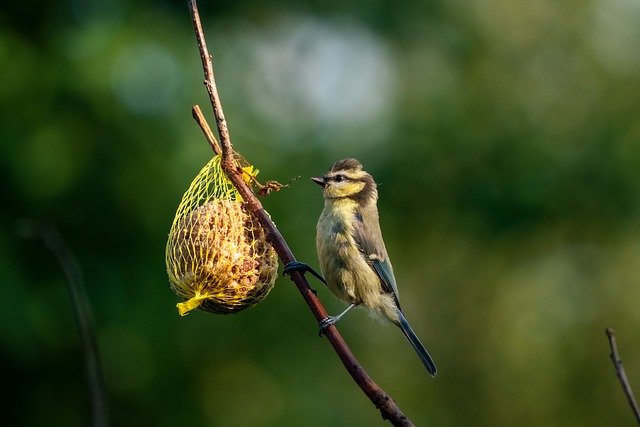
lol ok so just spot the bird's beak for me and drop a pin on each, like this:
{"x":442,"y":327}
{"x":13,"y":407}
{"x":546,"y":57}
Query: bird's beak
{"x":319,"y":180}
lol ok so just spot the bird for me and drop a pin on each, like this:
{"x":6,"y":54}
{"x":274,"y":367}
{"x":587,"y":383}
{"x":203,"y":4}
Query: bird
{"x":351,"y":251}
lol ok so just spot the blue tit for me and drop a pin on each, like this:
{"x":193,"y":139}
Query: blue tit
{"x":352,"y":254}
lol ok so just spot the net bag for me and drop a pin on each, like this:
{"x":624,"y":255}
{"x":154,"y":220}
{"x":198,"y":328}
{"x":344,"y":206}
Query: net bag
{"x":217,"y":255}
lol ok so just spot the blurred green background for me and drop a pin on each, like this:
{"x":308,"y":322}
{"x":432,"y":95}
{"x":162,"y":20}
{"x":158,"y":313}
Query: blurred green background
{"x":506,"y":139}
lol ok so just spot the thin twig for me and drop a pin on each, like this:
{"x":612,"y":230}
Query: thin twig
{"x":388,"y":409}
{"x":622,"y":376}
{"x":206,"y":129}
{"x":81,"y":309}
{"x":212,"y":89}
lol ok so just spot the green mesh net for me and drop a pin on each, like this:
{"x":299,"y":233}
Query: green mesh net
{"x":217,"y":255}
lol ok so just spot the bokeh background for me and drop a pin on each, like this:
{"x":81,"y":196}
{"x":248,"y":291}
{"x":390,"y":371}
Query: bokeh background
{"x":506,"y":139}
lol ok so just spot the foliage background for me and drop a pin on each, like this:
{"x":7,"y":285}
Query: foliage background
{"x":506,"y":139}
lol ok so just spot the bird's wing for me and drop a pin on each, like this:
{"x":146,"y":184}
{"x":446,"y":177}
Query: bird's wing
{"x":366,"y":232}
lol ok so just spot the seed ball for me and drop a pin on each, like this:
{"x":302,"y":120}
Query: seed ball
{"x":218,"y":259}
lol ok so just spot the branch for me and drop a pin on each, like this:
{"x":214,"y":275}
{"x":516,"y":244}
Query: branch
{"x":622,"y":376}
{"x":208,"y":134}
{"x":81,"y":309}
{"x":379,"y":397}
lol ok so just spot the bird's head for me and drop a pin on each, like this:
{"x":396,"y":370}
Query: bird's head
{"x":346,"y":179}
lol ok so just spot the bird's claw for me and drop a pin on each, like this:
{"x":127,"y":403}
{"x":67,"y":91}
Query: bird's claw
{"x":295,"y":266}
{"x":326,"y":322}
{"x":302,"y":267}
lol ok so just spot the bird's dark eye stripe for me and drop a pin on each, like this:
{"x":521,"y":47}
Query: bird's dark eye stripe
{"x":340,"y":177}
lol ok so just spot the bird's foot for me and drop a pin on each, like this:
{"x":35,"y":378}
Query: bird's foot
{"x":302,"y":267}
{"x":326,"y":322}
{"x":332,"y":320}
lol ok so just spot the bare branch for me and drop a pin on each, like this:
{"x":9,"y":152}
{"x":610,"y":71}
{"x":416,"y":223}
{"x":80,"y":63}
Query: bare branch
{"x":81,"y":309}
{"x":622,"y":376}
{"x":206,"y":129}
{"x":379,"y":397}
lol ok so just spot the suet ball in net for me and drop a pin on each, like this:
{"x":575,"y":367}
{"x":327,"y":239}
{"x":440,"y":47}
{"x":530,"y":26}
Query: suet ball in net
{"x":217,"y":255}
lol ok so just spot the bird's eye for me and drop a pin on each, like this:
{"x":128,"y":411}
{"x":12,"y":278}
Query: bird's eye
{"x":338,"y":178}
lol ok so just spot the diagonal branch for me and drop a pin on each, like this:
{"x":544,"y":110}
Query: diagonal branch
{"x":208,"y":134}
{"x":622,"y":376}
{"x":379,"y":397}
{"x":81,"y":310}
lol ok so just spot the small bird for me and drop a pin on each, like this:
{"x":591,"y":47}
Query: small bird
{"x":351,"y":251}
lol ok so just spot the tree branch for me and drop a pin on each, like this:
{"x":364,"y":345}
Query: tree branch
{"x":208,"y":134}
{"x":379,"y":397}
{"x":81,"y":310}
{"x":622,"y":376}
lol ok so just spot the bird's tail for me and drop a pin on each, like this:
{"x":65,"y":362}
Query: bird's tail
{"x":417,"y":345}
